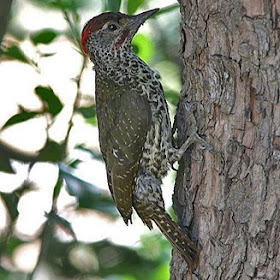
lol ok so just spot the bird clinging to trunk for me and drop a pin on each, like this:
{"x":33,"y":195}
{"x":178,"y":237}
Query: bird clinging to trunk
{"x":134,"y":125}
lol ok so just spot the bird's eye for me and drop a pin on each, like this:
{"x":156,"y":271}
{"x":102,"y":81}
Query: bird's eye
{"x":112,"y":27}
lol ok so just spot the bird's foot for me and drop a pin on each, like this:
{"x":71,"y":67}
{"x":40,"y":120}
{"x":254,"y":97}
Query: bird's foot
{"x":194,"y":138}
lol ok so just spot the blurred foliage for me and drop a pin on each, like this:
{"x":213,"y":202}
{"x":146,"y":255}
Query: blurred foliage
{"x":62,"y":5}
{"x":15,"y":52}
{"x":113,"y":6}
{"x":133,"y":5}
{"x":76,"y":260}
{"x":89,"y":114}
{"x":44,"y":36}
{"x":89,"y":196}
{"x":5,"y":164}
{"x":144,"y":46}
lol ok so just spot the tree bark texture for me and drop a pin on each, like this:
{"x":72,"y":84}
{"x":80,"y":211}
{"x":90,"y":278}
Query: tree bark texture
{"x":229,"y":199}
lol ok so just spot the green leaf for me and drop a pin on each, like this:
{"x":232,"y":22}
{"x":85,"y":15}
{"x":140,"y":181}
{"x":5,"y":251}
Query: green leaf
{"x":47,"y":95}
{"x":71,"y":5}
{"x":162,"y":273}
{"x":47,"y":54}
{"x":89,"y":195}
{"x":62,"y":223}
{"x":124,"y":264}
{"x":172,"y":97}
{"x":12,"y":245}
{"x":92,"y":121}
{"x":93,"y":154}
{"x":11,"y":200}
{"x":52,"y":151}
{"x":75,"y":185}
{"x":15,"y":52}
{"x":170,"y":75}
{"x":89,"y":113}
{"x":144,"y":46}
{"x":8,"y":275}
{"x":133,"y":5}
{"x":74,"y":163}
{"x":168,"y":9}
{"x":44,"y":36}
{"x":72,"y":19}
{"x":172,"y":214}
{"x":57,"y":187}
{"x":22,"y":116}
{"x":5,"y":165}
{"x":113,"y":5}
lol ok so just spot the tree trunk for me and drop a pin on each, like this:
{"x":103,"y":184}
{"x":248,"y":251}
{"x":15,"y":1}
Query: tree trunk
{"x":229,"y":200}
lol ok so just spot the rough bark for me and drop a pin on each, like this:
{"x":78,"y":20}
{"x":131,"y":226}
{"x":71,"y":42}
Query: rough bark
{"x":229,"y":200}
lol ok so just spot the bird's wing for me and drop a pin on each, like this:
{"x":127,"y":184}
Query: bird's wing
{"x":123,"y":129}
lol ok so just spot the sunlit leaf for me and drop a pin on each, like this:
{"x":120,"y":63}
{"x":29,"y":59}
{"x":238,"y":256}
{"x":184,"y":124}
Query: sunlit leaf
{"x":113,"y":5}
{"x":15,"y":52}
{"x":144,"y":46}
{"x":44,"y":36}
{"x":22,"y":116}
{"x":162,"y":273}
{"x":47,"y":95}
{"x":128,"y":277}
{"x":52,"y":151}
{"x":92,"y":121}
{"x":133,"y":5}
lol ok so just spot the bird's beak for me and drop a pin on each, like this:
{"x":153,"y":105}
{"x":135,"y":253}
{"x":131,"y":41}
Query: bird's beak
{"x":136,"y":21}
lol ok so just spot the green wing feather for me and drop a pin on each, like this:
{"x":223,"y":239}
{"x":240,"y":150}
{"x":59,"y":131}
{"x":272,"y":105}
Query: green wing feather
{"x":124,"y":121}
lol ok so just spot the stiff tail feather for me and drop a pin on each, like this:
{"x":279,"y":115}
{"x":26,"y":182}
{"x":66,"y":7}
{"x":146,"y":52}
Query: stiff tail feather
{"x":179,"y":239}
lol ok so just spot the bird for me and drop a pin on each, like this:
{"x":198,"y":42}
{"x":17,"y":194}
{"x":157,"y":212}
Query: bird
{"x":134,"y":125}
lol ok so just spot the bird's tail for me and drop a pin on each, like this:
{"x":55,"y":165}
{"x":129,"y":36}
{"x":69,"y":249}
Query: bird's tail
{"x":148,"y":202}
{"x":179,"y":239}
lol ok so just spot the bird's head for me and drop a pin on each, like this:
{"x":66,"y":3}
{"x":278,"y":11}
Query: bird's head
{"x":111,"y":31}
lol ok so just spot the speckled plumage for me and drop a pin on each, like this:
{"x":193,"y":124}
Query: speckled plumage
{"x":134,"y":124}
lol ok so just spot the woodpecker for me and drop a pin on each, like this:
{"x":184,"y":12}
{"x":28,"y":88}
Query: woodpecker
{"x":134,"y":125}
